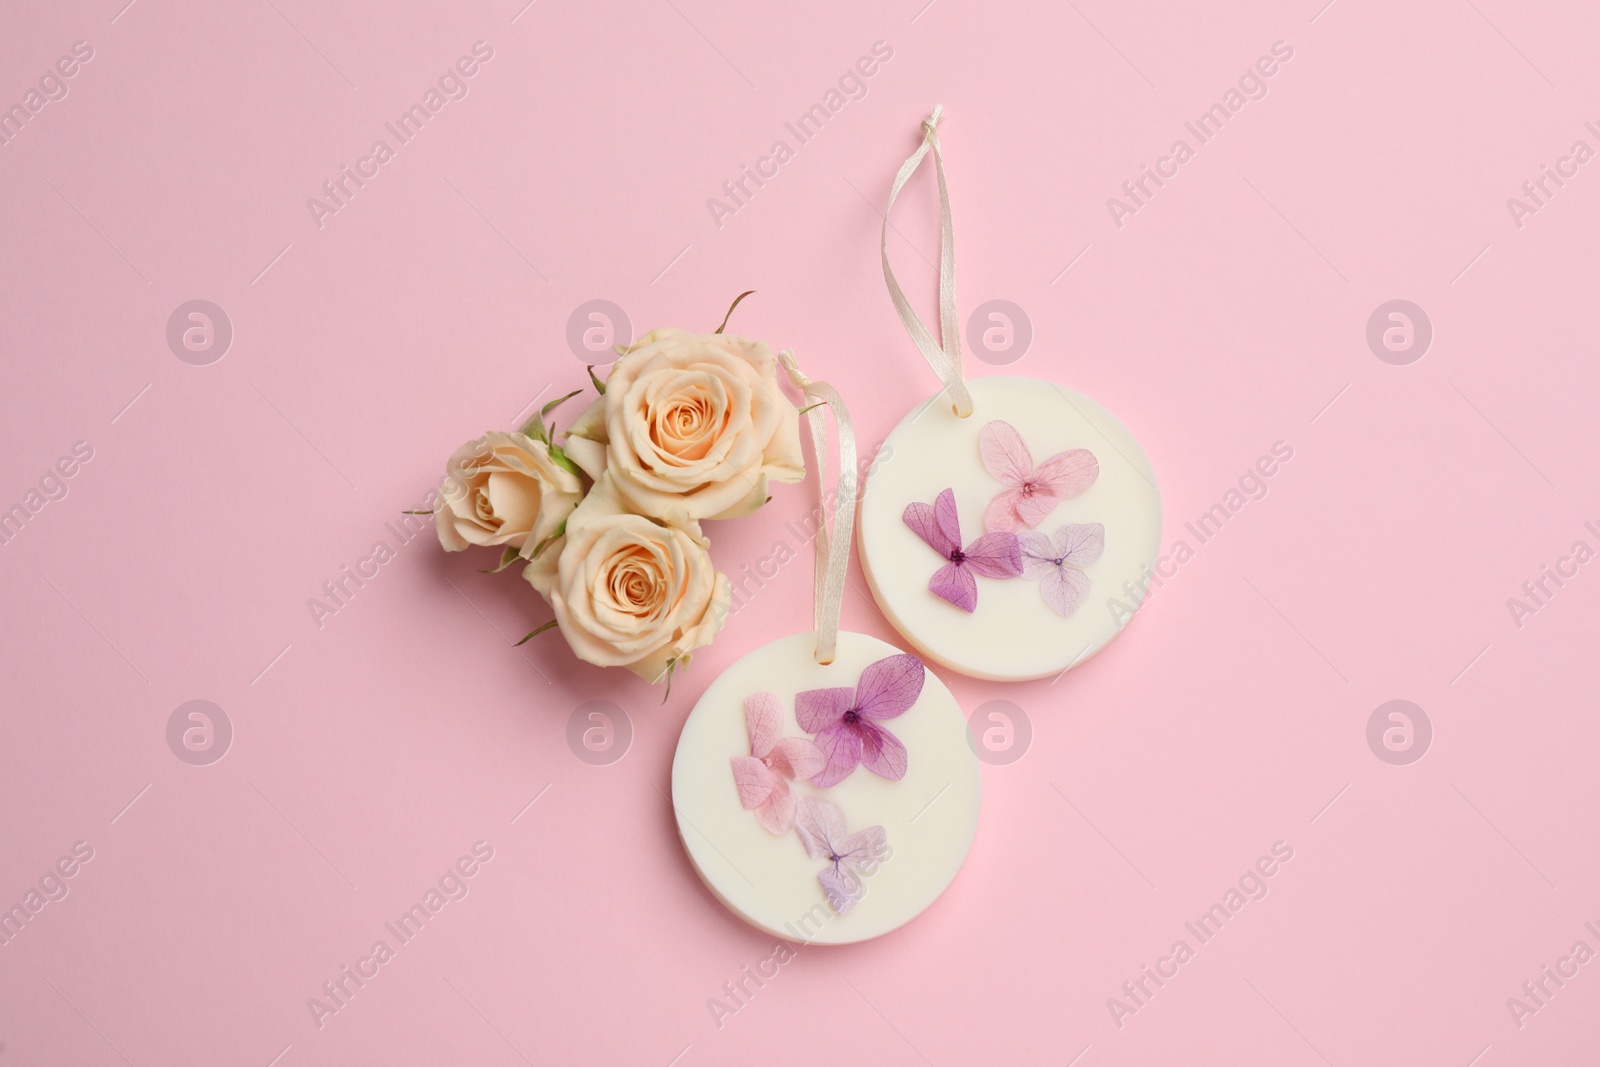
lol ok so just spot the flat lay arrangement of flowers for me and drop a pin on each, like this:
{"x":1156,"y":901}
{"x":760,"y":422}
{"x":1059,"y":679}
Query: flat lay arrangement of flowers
{"x":603,"y":517}
{"x":522,"y":645}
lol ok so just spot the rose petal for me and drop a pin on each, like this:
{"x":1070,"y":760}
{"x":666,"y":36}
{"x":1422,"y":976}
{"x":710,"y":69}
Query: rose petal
{"x":516,"y":501}
{"x":591,"y":424}
{"x":747,"y":504}
{"x":541,"y":571}
{"x":444,"y":524}
{"x":590,"y":456}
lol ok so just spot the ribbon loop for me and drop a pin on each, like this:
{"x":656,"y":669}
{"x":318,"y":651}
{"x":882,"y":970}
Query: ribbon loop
{"x":836,"y":524}
{"x":945,"y":358}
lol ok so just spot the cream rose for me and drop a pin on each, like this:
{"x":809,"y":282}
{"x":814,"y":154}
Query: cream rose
{"x":629,"y":591}
{"x":503,"y":489}
{"x":691,"y":426}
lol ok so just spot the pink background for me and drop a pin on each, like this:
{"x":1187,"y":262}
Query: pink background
{"x":1227,"y":314}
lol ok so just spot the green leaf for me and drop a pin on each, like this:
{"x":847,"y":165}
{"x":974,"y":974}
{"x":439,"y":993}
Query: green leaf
{"x":559,"y":457}
{"x":813,"y":407}
{"x":548,"y":408}
{"x":599,"y":386}
{"x":731,"y":306}
{"x":507,"y":558}
{"x":535,"y":427}
{"x":542,"y":545}
{"x":537,"y":632}
{"x":558,"y":401}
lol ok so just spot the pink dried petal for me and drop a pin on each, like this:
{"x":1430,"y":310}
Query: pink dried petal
{"x":865,"y":849}
{"x":889,"y":686}
{"x":1034,"y":508}
{"x":817,"y":709}
{"x":1066,"y":474}
{"x":764,"y":720}
{"x":819,"y":822}
{"x":777,"y":812}
{"x":953,"y":582}
{"x":1038,"y":554}
{"x":944,"y":513}
{"x":753,"y":779}
{"x":1080,"y":544}
{"x":1064,"y":589}
{"x":882,"y":752}
{"x":797,"y":757}
{"x":1004,"y":453}
{"x":1001,"y":514}
{"x":920,"y":518}
{"x":842,"y":888}
{"x":841,"y":747}
{"x":995,"y":555}
{"x":851,"y":858}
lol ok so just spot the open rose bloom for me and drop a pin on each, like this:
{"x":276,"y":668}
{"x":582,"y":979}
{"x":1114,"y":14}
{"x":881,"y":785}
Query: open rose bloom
{"x":607,"y":514}
{"x":503,"y":489}
{"x":691,"y":426}
{"x":629,"y":591}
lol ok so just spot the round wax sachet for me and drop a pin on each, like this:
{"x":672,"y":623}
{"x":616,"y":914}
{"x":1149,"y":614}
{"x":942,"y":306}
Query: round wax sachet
{"x":1013,"y":543}
{"x":826,"y":803}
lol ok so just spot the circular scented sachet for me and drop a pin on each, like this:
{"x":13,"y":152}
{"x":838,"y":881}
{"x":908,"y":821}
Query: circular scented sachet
{"x":826,"y":864}
{"x":1014,"y":528}
{"x":1038,"y":600}
{"x":824,"y":786}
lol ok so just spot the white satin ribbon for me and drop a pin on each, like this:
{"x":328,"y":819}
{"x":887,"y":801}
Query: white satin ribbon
{"x":832,"y":558}
{"x":946,"y":359}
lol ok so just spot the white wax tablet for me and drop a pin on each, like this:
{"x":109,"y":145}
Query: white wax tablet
{"x":927,"y":817}
{"x":1014,"y":633}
